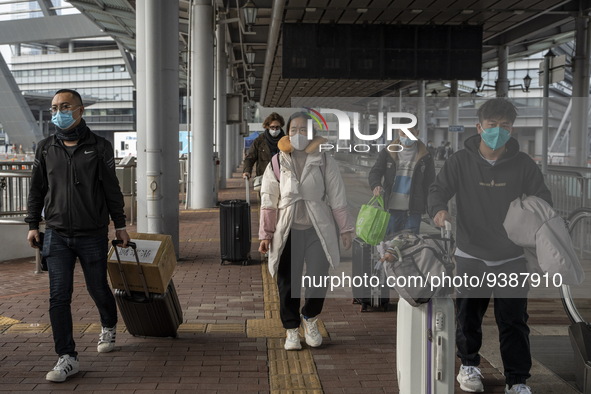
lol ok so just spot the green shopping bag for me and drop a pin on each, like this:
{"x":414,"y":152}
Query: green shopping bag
{"x":372,"y":221}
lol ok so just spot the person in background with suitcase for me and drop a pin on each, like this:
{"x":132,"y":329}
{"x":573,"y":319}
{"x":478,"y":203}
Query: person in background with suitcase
{"x":404,"y":177}
{"x":74,"y":184}
{"x":264,"y":146}
{"x":485,"y":177}
{"x":302,"y":196}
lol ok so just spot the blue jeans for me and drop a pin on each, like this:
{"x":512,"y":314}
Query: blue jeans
{"x":61,"y":253}
{"x":403,"y":220}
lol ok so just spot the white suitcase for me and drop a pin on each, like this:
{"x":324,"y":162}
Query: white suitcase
{"x":426,"y":347}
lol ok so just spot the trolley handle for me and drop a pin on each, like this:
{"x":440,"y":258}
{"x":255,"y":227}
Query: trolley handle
{"x":133,"y":245}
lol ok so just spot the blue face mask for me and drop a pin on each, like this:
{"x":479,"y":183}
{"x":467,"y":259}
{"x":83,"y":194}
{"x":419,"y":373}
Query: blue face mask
{"x":63,"y":120}
{"x":407,"y":141}
{"x":495,"y":137}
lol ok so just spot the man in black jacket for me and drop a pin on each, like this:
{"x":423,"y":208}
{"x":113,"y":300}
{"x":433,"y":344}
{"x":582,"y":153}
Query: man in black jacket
{"x":404,"y":176}
{"x":485,"y":177}
{"x":75,"y":187}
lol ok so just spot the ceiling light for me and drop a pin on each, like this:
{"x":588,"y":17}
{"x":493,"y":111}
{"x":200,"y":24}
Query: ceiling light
{"x":467,"y":12}
{"x":310,"y":9}
{"x":361,"y":10}
{"x":416,"y":11}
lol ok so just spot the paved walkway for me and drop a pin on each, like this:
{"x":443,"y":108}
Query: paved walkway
{"x":231,"y":339}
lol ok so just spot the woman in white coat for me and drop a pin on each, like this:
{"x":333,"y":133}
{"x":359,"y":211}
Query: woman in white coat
{"x":302,"y":204}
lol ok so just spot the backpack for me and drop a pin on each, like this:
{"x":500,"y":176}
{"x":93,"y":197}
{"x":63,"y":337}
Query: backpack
{"x":419,"y":258}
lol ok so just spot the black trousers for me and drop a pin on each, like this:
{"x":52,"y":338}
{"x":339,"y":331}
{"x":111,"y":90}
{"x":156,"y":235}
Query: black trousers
{"x":510,"y":308}
{"x":302,"y":246}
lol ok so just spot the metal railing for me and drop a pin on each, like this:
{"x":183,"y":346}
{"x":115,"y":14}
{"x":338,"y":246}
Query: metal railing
{"x":14,"y":189}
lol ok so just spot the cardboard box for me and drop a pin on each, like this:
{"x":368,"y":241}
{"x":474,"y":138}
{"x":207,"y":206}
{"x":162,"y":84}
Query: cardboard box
{"x":157,"y":259}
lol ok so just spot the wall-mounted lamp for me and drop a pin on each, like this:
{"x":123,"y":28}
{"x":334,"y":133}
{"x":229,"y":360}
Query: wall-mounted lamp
{"x":251,"y":79}
{"x":250,"y":13}
{"x":249,"y":55}
{"x":524,"y":87}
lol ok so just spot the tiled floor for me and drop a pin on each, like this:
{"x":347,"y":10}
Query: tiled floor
{"x":230,"y":341}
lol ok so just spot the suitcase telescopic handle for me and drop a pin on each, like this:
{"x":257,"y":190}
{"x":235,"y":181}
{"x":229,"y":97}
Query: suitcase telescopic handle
{"x":247,"y":184}
{"x":132,"y":245}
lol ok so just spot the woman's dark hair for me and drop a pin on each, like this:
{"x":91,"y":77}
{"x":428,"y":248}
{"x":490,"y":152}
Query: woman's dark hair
{"x":72,"y":92}
{"x":296,"y":115}
{"x":273,"y":117}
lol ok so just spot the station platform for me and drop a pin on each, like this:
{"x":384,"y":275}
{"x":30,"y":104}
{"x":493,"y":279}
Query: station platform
{"x":231,"y":339}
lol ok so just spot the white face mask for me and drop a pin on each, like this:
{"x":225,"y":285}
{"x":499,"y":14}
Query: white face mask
{"x":274,"y":133}
{"x":299,"y":141}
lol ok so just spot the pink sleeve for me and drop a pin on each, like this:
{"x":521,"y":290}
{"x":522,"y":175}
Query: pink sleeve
{"x":343,"y":219}
{"x":267,"y":223}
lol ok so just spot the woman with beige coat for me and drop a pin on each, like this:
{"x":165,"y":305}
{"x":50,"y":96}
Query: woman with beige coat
{"x":303,"y":202}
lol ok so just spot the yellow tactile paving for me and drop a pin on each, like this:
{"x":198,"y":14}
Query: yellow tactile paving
{"x":193,"y":327}
{"x":289,"y":372}
{"x":5,"y":321}
{"x":225,"y":328}
{"x":27,"y":328}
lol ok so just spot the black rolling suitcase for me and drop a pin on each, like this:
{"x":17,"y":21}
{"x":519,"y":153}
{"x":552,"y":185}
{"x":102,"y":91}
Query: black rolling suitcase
{"x":235,"y":237}
{"x":148,"y":314}
{"x":368,"y":297}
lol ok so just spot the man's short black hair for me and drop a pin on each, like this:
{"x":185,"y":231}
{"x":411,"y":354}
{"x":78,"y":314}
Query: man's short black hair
{"x":497,"y":108}
{"x":72,"y":92}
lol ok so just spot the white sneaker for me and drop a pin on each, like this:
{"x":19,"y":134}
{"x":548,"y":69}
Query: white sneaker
{"x":292,"y":340}
{"x":106,"y":341}
{"x":519,"y":388}
{"x":311,"y":333}
{"x":66,"y":366}
{"x":470,"y":379}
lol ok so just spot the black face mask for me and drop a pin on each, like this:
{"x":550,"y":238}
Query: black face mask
{"x":75,"y":134}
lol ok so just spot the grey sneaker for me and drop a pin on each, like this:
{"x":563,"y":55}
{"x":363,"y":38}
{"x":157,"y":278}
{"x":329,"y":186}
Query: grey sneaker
{"x":292,"y":340}
{"x":311,"y":333}
{"x":106,"y":341}
{"x":519,"y":388}
{"x":470,"y":379}
{"x":66,"y":366}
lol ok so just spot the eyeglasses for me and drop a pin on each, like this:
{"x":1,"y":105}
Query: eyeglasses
{"x":275,"y":127}
{"x":62,"y":108}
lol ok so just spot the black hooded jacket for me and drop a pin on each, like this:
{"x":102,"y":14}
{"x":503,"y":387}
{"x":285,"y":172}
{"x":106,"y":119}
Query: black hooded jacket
{"x":483,"y":194}
{"x":78,"y":192}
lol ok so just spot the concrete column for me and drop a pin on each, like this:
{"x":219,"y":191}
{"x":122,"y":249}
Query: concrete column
{"x":71,"y":47}
{"x":579,"y":130}
{"x":453,"y":114}
{"x":202,"y":166}
{"x":502,"y":85}
{"x":160,"y":119}
{"x":230,"y":147}
{"x":141,"y":111}
{"x":222,"y":66}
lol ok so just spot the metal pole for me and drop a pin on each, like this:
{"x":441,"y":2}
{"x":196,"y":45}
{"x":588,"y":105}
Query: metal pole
{"x":231,"y":159}
{"x":222,"y":65}
{"x":422,"y":124}
{"x":202,"y":181}
{"x":547,"y":57}
{"x":453,"y":114}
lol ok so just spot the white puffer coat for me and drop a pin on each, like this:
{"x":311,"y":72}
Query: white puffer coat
{"x":321,"y":187}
